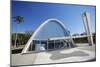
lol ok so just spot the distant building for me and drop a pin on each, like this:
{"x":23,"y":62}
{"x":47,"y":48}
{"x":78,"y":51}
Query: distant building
{"x":84,"y":33}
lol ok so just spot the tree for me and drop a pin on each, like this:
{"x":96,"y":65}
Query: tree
{"x":29,"y":32}
{"x":18,"y":20}
{"x":76,"y":34}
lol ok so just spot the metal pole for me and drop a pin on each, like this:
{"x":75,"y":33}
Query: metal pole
{"x":47,"y":45}
{"x":54,"y":44}
{"x":15,"y":45}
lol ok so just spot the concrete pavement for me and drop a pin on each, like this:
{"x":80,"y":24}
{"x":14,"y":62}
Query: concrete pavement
{"x":76,"y":54}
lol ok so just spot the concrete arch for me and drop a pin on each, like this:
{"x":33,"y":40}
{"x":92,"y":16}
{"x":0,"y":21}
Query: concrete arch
{"x":39,"y":28}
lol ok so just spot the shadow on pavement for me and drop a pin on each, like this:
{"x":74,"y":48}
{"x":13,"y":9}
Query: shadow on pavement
{"x":57,"y":55}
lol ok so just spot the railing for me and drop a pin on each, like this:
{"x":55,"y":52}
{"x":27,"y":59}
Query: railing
{"x":68,"y":37}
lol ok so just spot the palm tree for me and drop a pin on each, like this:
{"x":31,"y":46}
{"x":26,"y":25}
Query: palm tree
{"x":18,"y":20}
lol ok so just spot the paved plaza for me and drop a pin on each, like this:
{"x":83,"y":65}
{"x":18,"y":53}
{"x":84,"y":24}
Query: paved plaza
{"x":77,"y":54}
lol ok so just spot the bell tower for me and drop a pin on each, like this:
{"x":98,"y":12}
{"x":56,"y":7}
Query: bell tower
{"x":87,"y":26}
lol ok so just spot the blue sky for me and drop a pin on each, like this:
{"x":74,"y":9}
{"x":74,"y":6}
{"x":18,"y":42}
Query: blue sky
{"x":35,"y":13}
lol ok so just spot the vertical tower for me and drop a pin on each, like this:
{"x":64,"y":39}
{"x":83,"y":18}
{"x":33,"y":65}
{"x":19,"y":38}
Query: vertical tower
{"x":87,"y":26}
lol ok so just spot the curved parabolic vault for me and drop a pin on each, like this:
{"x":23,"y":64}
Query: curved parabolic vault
{"x":48,"y":29}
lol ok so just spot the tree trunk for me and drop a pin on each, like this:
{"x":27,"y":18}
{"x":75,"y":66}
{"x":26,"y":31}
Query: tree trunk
{"x":15,"y":45}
